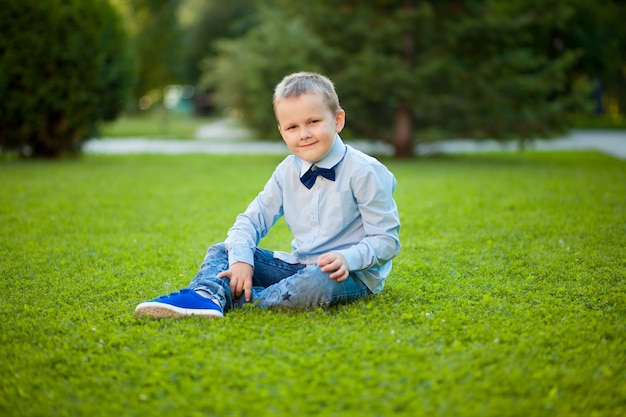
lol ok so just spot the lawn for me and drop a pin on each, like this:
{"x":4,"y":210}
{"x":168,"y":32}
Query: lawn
{"x":157,"y":125}
{"x":508,"y":298}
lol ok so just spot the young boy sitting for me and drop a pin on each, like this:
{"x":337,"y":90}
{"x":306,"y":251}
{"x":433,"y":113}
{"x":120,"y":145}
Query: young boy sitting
{"x":337,"y":202}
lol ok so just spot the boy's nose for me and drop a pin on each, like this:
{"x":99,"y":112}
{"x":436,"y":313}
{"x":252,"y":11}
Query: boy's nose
{"x":306,"y":133}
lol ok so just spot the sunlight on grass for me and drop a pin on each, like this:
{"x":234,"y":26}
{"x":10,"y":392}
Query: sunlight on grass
{"x":158,"y":124}
{"x":508,"y":298}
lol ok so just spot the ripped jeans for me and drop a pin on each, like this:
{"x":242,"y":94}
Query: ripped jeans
{"x":276,"y":283}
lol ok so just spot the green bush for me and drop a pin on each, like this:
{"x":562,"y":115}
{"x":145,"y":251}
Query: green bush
{"x":65,"y":66}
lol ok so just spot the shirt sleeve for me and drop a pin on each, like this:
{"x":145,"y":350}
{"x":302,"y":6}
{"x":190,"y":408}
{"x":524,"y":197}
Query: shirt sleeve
{"x":255,"y":222}
{"x":373,"y":191}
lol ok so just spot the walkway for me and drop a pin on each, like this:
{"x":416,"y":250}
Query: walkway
{"x":223,"y":137}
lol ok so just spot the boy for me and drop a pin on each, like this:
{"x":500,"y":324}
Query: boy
{"x":337,"y":202}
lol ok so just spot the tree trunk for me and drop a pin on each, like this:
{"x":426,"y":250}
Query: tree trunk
{"x":402,"y":121}
{"x":402,"y":127}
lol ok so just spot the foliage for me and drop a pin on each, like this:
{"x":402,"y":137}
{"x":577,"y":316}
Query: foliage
{"x":212,"y":21}
{"x":64,"y":68}
{"x":508,"y":297}
{"x":248,"y":68}
{"x":172,"y":38}
{"x":415,"y":70}
{"x":511,"y":84}
{"x":597,"y":29}
{"x":157,"y":42}
{"x":462,"y":68}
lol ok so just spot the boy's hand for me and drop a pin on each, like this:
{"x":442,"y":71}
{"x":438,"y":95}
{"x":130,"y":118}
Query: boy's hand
{"x":240,"y":277}
{"x":336,"y":264}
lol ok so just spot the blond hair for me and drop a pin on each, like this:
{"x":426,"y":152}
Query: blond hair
{"x":299,"y":83}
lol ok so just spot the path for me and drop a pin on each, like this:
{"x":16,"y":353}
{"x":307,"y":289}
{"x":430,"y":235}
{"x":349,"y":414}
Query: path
{"x":224,"y":137}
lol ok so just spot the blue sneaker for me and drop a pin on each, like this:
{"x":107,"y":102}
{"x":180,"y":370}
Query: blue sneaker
{"x":180,"y":304}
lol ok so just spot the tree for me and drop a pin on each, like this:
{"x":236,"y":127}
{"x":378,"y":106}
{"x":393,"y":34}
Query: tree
{"x":206,"y":22}
{"x":598,"y":30}
{"x":412,"y":71}
{"x":157,"y":43}
{"x":64,"y":67}
{"x":171,"y":38}
{"x":513,"y":83}
{"x":246,"y":69}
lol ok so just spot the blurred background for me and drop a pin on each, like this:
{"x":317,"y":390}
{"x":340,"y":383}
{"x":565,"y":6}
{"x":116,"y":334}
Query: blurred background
{"x":406,"y":71}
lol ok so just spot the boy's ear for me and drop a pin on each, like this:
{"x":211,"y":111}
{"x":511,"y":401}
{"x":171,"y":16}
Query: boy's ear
{"x":340,"y":120}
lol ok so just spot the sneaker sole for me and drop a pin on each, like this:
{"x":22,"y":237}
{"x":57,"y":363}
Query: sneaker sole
{"x":162,"y":310}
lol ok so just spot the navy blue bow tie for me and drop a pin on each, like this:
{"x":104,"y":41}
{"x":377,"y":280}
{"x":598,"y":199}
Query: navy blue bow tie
{"x":309,"y":177}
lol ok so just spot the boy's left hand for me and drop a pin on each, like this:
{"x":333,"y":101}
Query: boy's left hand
{"x":336,"y":264}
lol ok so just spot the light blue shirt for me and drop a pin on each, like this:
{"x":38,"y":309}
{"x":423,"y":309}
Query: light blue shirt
{"x":354,"y":215}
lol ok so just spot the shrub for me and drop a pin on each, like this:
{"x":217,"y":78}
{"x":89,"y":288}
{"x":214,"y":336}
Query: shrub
{"x":65,"y":65}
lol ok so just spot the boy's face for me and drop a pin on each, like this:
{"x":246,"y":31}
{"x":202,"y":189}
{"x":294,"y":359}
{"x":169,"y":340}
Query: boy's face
{"x":308,"y":126}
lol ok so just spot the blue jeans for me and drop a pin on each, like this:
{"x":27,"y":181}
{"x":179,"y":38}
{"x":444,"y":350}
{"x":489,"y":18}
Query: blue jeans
{"x":276,"y":283}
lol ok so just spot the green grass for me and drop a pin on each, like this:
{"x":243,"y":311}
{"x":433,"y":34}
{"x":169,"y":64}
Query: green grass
{"x":605,"y":122}
{"x":508,"y":298}
{"x":156,"y":125}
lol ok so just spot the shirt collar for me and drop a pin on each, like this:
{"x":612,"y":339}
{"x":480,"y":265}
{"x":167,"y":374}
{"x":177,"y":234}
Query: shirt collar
{"x":332,"y":158}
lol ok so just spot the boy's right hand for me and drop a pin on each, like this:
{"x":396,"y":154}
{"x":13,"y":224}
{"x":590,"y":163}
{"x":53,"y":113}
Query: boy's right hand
{"x":240,"y":277}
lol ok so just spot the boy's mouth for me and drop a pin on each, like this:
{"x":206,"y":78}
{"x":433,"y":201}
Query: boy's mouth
{"x":307,"y":145}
